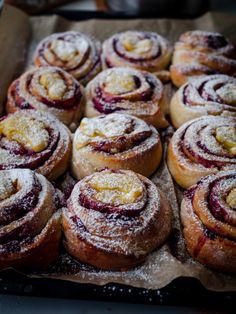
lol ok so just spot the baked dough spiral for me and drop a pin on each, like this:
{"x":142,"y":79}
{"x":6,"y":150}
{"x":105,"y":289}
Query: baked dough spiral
{"x":200,"y":52}
{"x":74,"y":52}
{"x":206,"y":95}
{"x":146,"y":51}
{"x":124,"y":90}
{"x":208,"y":214}
{"x":48,"y":89}
{"x":202,"y":147}
{"x":115,"y":219}
{"x":116,"y":141}
{"x":35,"y":140}
{"x":30,"y":219}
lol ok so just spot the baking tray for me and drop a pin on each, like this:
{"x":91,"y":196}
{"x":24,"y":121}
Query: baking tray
{"x":183,"y":291}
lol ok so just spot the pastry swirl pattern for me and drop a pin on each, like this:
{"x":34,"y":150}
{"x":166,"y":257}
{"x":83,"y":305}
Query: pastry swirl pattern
{"x":208,"y":214}
{"x":30,"y":219}
{"x":74,"y":52}
{"x":114,"y":219}
{"x":124,"y":90}
{"x":201,"y":147}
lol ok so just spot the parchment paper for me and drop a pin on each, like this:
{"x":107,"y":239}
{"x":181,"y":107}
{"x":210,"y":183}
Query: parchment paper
{"x":171,"y":261}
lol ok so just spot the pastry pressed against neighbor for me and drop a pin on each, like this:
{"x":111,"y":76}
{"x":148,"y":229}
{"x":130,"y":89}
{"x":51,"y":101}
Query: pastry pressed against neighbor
{"x":201,"y":147}
{"x":36,"y":140}
{"x":116,"y":141}
{"x":114,"y":219}
{"x":48,"y":89}
{"x":74,"y":52}
{"x":126,"y":90}
{"x":202,"y":53}
{"x":30,"y":219}
{"x":205,"y":95}
{"x":209,"y":221}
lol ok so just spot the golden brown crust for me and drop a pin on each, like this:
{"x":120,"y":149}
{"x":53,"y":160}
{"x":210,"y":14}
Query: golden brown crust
{"x":30,"y":232}
{"x":146,"y":51}
{"x":207,"y":95}
{"x":52,"y":160}
{"x":48,"y":89}
{"x":194,"y":152}
{"x":209,"y":233}
{"x":115,"y":141}
{"x":125,"y":90}
{"x":74,"y":52}
{"x":115,"y":236}
{"x":199,"y":52}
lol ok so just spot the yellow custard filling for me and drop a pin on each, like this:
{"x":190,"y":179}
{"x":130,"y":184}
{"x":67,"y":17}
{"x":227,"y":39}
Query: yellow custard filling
{"x":137,"y":46}
{"x":226,"y":136}
{"x":228,"y":93}
{"x":53,"y":84}
{"x":231,"y":198}
{"x":65,"y":50}
{"x":119,"y":83}
{"x":25,"y":130}
{"x":7,"y":187}
{"x":116,"y":188}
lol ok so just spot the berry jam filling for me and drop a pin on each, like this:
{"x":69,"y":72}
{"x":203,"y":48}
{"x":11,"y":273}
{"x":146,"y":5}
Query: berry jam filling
{"x":216,"y":208}
{"x":216,"y":41}
{"x":79,"y":224}
{"x":121,"y":143}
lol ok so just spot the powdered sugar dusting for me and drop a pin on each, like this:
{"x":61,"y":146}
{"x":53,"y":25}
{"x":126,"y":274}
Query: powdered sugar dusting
{"x":72,"y":51}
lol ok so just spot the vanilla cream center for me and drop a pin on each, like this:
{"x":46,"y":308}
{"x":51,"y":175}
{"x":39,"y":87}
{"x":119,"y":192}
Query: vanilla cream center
{"x":25,"y":130}
{"x":53,"y":84}
{"x":116,"y":188}
{"x":231,"y":198}
{"x":226,"y":135}
{"x":119,"y":83}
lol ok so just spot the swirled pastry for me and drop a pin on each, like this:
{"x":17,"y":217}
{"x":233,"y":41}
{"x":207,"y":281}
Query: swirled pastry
{"x":124,"y":90}
{"x":48,"y":89}
{"x":36,"y":140}
{"x":116,"y":141}
{"x":199,"y":52}
{"x":74,"y":52}
{"x":206,"y":95}
{"x":140,"y":50}
{"x":30,"y":223}
{"x":115,"y":219}
{"x":202,"y":147}
{"x":208,"y":214}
